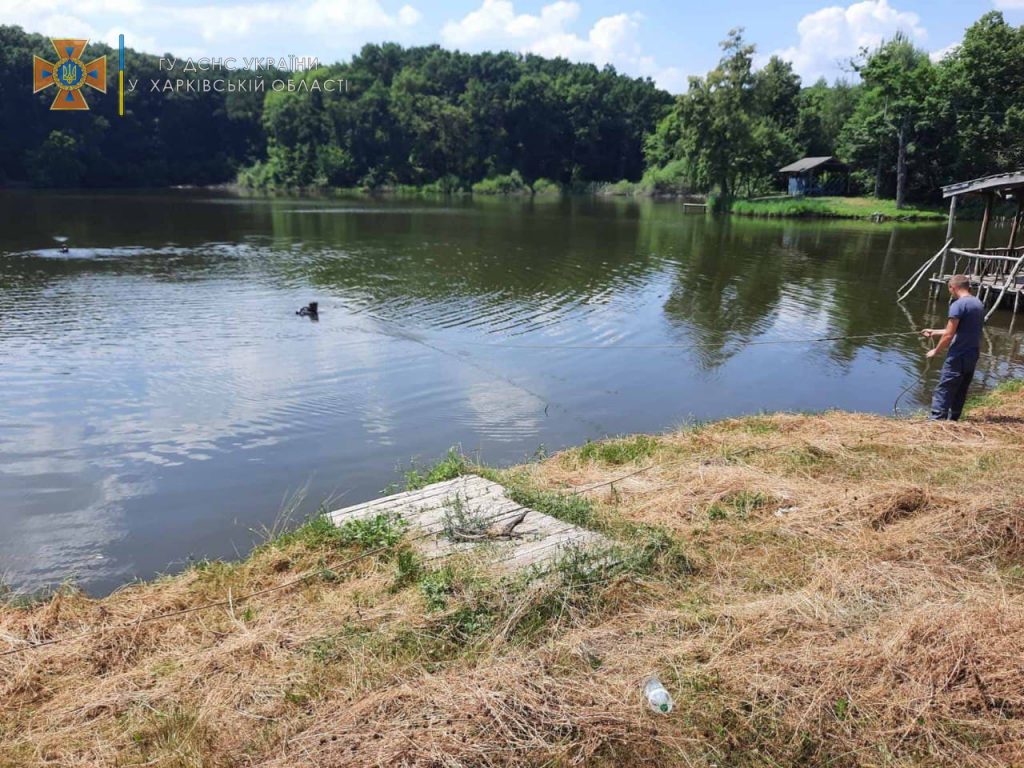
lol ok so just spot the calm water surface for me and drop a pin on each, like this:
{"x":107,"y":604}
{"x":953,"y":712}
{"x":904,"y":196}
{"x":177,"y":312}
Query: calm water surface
{"x":162,"y":401}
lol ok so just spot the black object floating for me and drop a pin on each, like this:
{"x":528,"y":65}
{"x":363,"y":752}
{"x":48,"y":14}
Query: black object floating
{"x":310,"y":310}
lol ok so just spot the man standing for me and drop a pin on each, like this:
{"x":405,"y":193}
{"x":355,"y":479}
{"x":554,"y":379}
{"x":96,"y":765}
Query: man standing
{"x":962,"y":335}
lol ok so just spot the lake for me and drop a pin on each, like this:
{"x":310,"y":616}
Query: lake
{"x":162,"y":401}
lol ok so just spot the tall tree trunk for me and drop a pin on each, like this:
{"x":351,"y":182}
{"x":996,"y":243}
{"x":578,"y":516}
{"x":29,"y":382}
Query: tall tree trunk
{"x":881,"y":145}
{"x":901,"y":167}
{"x":878,"y":173}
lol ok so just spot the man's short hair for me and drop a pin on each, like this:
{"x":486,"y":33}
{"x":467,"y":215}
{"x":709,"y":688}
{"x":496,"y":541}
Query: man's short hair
{"x":959,"y":282}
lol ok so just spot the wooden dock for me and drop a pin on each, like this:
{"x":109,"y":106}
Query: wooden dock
{"x":514,"y":536}
{"x":996,"y":274}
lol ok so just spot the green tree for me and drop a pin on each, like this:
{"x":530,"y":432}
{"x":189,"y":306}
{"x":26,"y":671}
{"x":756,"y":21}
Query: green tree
{"x":57,"y":162}
{"x":822,"y":112}
{"x":733,"y":127}
{"x":983,"y":80}
{"x":899,"y":82}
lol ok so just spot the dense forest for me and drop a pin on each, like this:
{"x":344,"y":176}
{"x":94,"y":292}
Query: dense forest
{"x":163,"y":139}
{"x":501,"y":121}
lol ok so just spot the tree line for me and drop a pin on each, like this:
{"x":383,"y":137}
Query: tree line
{"x":426,"y":116}
{"x":906,"y":127}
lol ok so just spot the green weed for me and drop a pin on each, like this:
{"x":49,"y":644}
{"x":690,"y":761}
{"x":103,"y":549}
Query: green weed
{"x":571,"y":508}
{"x":453,"y":465}
{"x":437,"y":586}
{"x":382,"y":530}
{"x":617,"y":452}
{"x":738,"y":504}
{"x":460,"y":521}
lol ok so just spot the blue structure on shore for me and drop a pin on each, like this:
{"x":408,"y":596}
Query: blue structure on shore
{"x":817,"y":176}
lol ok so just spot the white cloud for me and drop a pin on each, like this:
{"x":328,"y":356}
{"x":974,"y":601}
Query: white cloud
{"x":833,"y":35}
{"x":939,"y":55}
{"x":1008,"y":5}
{"x":497,"y":21}
{"x":408,"y":16}
{"x":610,"y":40}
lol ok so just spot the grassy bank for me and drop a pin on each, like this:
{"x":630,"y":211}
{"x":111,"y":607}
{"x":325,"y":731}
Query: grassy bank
{"x":833,"y":207}
{"x":833,"y":589}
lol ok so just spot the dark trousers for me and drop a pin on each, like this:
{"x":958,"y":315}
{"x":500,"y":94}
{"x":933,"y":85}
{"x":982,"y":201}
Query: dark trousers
{"x":951,"y":391}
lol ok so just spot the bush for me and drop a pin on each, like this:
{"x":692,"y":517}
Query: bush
{"x":621,"y":188}
{"x":510,"y":184}
{"x":671,"y":179}
{"x":546,"y":187}
{"x":446,"y":185}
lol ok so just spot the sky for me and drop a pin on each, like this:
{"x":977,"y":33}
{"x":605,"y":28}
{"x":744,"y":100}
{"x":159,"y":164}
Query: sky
{"x":666,"y":40}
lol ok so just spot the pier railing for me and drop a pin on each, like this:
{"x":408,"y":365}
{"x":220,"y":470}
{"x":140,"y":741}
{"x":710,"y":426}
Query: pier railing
{"x":989,"y":263}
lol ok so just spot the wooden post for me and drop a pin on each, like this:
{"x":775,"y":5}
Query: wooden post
{"x":952,"y":217}
{"x":984,"y":222}
{"x":949,"y":236}
{"x":1016,"y":223}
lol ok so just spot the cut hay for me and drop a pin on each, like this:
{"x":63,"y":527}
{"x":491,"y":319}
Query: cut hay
{"x":833,"y":589}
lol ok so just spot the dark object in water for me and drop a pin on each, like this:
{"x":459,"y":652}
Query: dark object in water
{"x":311,"y":310}
{"x":64,"y":248}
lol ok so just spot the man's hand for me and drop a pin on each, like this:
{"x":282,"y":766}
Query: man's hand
{"x":928,"y":333}
{"x":931,"y":352}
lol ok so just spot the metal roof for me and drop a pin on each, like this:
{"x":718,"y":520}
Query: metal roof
{"x":1000,"y":183}
{"x":810,"y":163}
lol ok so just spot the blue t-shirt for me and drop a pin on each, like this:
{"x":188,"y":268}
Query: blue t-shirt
{"x":971,"y":314}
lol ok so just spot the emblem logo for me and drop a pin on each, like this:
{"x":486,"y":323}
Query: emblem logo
{"x":69,"y":74}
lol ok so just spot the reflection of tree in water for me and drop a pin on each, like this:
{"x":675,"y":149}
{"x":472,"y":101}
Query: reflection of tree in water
{"x":726,"y":294}
{"x":507,"y":265}
{"x":822,"y":279}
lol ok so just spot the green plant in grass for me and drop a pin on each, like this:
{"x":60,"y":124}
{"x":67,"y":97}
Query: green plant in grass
{"x":382,"y":530}
{"x":453,"y":465}
{"x":460,"y":522}
{"x":994,"y":397}
{"x":617,"y":452}
{"x":437,"y":587}
{"x":408,"y":571}
{"x":738,"y":504}
{"x":571,"y":508}
{"x":759,"y":425}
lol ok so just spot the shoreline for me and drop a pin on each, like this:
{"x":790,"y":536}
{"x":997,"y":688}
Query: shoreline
{"x":796,"y":580}
{"x":880,"y":211}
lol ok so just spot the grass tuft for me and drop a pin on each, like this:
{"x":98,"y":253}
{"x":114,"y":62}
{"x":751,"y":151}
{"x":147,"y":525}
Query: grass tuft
{"x":454,"y":464}
{"x":619,"y":452}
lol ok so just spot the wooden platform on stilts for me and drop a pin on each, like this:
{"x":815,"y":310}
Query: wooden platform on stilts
{"x":512,"y":535}
{"x":996,"y":274}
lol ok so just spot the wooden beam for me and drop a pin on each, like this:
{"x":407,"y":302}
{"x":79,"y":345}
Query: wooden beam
{"x":985,"y":222}
{"x":1016,"y":223}
{"x":949,"y":238}
{"x":952,"y":217}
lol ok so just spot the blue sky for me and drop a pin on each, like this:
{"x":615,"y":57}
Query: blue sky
{"x":657,"y":38}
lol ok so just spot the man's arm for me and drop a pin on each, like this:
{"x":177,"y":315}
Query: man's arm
{"x":946,"y":338}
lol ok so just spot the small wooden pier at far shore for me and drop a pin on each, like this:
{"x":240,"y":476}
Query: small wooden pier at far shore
{"x":995,"y":272}
{"x":511,"y":535}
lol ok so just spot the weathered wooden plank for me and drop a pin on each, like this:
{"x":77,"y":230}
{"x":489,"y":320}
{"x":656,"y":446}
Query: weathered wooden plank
{"x":538,"y":538}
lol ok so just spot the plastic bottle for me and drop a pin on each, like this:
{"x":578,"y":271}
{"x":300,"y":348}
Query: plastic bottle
{"x":658,"y":698}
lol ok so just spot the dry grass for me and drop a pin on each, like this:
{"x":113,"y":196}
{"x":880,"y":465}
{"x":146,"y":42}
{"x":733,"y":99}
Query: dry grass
{"x":855,"y":598}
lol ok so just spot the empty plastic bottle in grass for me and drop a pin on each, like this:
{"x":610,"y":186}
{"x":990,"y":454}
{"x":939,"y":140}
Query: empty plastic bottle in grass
{"x":657,"y":697}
